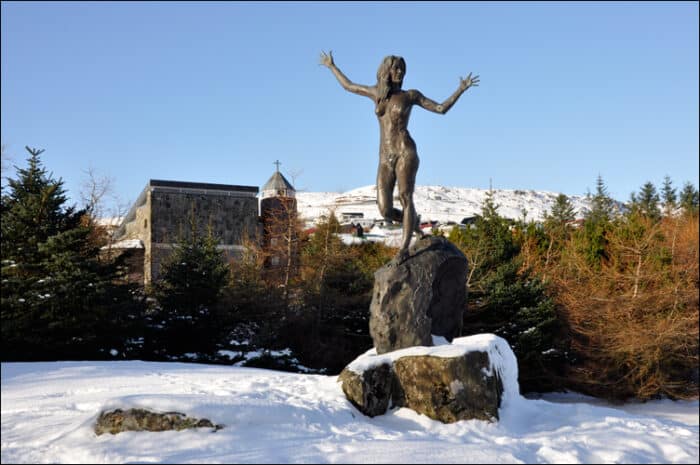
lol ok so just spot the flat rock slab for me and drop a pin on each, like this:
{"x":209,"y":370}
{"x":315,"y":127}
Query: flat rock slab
{"x":424,"y":295}
{"x":465,"y":380}
{"x":118,"y":420}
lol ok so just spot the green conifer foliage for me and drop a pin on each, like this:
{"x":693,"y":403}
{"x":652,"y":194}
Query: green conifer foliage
{"x":507,"y":300}
{"x":562,"y":211}
{"x":647,"y":202}
{"x":56,"y":295}
{"x":668,"y":195}
{"x":592,"y":237}
{"x":689,"y":199}
{"x":190,"y":284}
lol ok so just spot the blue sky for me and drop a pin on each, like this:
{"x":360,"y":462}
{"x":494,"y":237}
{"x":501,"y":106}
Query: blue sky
{"x":217,"y":91}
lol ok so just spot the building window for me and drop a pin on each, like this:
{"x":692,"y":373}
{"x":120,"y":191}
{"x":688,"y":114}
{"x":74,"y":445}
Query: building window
{"x":145,"y":224}
{"x":275,"y":261}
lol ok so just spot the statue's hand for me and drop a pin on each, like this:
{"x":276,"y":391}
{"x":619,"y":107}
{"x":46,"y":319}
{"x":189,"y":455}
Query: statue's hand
{"x":327,"y":59}
{"x":469,"y":81}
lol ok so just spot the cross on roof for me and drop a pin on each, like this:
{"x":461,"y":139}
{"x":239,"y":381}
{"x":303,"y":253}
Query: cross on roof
{"x":278,"y":163}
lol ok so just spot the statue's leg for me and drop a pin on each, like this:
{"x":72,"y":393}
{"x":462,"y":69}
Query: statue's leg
{"x":406,"y":170}
{"x":386,"y":180}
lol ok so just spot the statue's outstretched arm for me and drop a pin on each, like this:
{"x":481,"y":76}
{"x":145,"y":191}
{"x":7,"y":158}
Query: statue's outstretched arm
{"x":367,"y":91}
{"x":445,"y":106}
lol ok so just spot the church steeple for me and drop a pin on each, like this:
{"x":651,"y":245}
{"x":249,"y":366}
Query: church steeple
{"x":277,"y":185}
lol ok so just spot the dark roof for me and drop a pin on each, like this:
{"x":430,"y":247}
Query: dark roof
{"x":278,"y":182}
{"x":201,"y":185}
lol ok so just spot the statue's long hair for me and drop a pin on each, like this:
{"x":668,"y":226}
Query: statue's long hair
{"x":384,"y":82}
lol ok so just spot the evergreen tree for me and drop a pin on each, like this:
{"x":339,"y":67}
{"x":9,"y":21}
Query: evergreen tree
{"x":668,"y":195}
{"x":334,"y":325}
{"x":597,"y":222}
{"x":647,"y":202}
{"x":551,"y":239}
{"x":507,"y":300}
{"x":689,"y":199}
{"x":562,"y":211}
{"x":56,"y":294}
{"x":190,"y":284}
{"x":602,"y":205}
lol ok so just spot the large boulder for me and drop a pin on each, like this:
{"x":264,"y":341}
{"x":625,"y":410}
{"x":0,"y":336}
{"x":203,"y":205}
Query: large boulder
{"x":422,"y":296}
{"x":465,"y":380}
{"x":449,"y":389}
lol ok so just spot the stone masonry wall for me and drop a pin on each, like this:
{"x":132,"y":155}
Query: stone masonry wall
{"x":231,"y":217}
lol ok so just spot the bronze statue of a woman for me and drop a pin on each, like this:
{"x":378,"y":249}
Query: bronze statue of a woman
{"x":398,"y":158}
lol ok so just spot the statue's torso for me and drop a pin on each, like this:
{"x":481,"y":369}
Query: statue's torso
{"x":393,"y":124}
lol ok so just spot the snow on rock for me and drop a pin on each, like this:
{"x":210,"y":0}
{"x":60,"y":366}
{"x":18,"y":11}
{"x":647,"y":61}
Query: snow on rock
{"x":432,"y":380}
{"x":501,"y":357}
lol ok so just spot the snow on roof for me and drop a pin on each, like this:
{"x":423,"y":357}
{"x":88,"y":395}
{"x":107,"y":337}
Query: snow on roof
{"x":126,"y":244}
{"x":110,"y":221}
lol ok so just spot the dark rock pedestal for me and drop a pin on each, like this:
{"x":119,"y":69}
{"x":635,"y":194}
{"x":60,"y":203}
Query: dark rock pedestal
{"x":424,"y":295}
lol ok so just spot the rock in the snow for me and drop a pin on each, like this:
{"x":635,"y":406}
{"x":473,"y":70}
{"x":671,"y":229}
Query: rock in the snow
{"x":118,"y":420}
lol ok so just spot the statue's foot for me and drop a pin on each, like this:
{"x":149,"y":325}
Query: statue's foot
{"x":399,"y":258}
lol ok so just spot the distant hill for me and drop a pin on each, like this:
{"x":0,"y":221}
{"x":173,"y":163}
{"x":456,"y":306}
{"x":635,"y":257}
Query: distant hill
{"x":436,"y":203}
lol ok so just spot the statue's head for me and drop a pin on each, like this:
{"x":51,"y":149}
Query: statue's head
{"x":391,"y":71}
{"x":389,"y":76}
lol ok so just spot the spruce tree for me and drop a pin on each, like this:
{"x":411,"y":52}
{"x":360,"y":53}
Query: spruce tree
{"x":668,"y":195}
{"x":597,"y":222}
{"x":55,"y":292}
{"x":507,"y":300}
{"x":190,"y":284}
{"x":557,"y":229}
{"x":647,"y":202}
{"x":602,"y":205}
{"x":562,"y":211}
{"x":689,"y":199}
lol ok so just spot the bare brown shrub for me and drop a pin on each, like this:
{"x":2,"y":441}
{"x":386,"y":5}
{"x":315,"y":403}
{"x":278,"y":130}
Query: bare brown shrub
{"x":634,"y":323}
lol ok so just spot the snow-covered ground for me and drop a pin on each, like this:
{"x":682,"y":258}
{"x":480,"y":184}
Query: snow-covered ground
{"x":436,"y":203}
{"x":48,"y":411}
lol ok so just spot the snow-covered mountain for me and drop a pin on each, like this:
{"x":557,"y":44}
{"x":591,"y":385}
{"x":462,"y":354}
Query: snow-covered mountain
{"x":435,"y":203}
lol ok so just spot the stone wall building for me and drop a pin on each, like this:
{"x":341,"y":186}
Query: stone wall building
{"x":164,"y":210}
